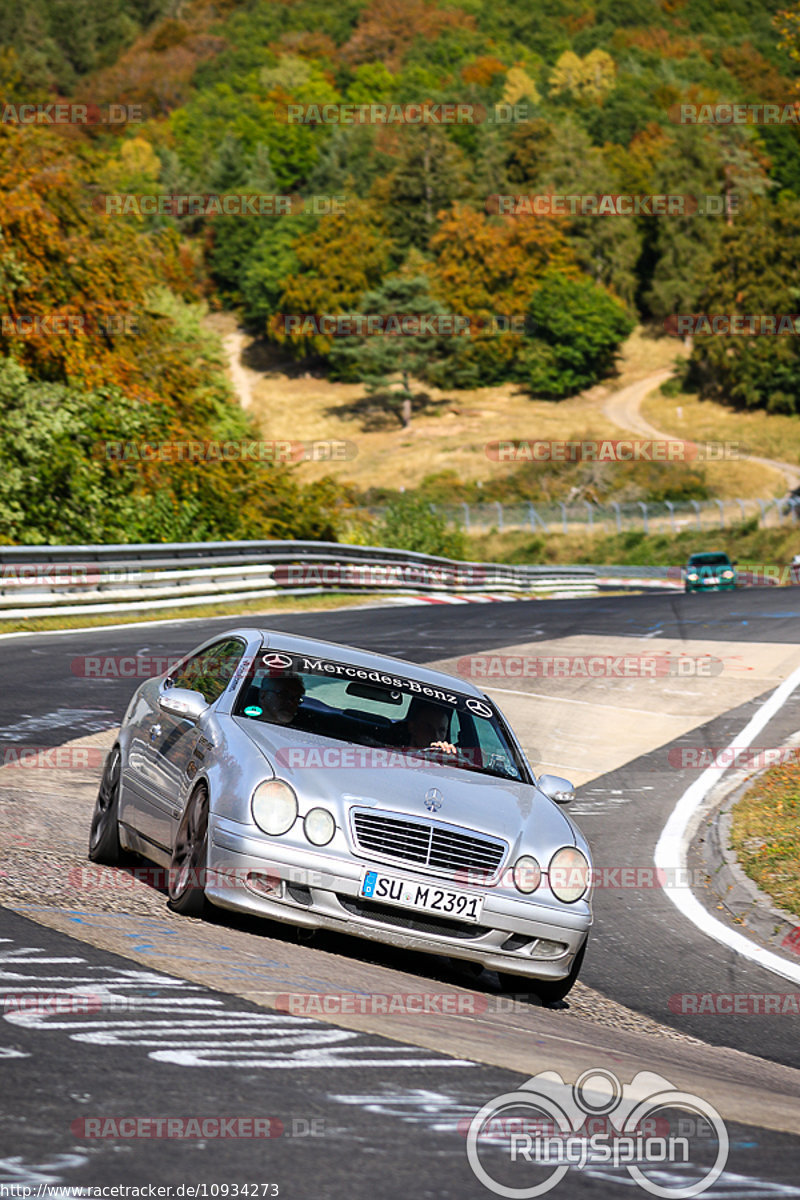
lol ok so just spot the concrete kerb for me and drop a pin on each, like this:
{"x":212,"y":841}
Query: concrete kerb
{"x":709,"y":847}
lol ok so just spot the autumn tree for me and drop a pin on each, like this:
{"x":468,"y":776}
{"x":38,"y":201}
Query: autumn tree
{"x":429,"y":174}
{"x":486,"y":267}
{"x":345,"y":256}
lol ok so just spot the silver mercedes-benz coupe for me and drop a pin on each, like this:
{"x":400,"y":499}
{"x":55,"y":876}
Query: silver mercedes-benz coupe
{"x":332,"y":788}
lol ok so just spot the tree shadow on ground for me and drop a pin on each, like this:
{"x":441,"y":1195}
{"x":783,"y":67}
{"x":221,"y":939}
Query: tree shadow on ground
{"x":270,"y":359}
{"x":382,"y":410}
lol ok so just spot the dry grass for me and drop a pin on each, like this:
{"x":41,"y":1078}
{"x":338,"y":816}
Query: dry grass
{"x":766,"y":834}
{"x":451,"y":434}
{"x":740,"y":480}
{"x":767,"y":434}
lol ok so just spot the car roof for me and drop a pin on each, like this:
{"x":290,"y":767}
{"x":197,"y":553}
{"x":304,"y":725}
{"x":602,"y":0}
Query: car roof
{"x":709,"y":554}
{"x":296,"y":644}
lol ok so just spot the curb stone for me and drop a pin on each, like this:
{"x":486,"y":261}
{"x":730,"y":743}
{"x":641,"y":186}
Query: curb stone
{"x":751,"y":909}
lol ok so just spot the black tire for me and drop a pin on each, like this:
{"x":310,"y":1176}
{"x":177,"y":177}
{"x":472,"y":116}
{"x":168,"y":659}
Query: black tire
{"x":187,"y":867}
{"x":549,"y":991}
{"x":104,"y":844}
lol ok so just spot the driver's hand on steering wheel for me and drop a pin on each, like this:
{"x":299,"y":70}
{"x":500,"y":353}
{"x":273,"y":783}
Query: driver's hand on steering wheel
{"x":445,"y":747}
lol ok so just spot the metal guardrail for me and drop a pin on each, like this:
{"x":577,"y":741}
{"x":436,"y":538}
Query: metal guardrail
{"x":38,"y":581}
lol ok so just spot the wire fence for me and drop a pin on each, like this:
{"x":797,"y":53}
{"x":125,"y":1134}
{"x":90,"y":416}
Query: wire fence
{"x":585,"y":517}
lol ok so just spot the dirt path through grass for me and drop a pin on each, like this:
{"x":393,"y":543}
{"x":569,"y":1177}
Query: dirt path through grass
{"x":624,"y":409}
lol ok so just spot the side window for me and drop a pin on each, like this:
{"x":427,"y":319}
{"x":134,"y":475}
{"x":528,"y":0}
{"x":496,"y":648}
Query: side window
{"x":210,"y":671}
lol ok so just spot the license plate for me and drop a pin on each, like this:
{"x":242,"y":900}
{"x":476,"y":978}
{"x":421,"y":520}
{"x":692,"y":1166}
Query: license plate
{"x":425,"y":897}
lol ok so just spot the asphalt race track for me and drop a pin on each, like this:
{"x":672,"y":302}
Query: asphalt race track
{"x":369,"y":1113}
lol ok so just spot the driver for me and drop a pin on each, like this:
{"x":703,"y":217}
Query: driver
{"x":426,"y":726}
{"x":279,"y":697}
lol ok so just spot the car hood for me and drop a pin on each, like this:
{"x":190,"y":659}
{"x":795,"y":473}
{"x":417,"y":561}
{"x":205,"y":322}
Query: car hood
{"x":326,"y":771}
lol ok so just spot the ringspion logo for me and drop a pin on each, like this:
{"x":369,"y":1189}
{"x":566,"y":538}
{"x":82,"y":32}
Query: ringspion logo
{"x":648,"y":1131}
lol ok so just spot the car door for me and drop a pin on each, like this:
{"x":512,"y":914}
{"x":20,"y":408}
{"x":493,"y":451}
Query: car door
{"x":177,"y":745}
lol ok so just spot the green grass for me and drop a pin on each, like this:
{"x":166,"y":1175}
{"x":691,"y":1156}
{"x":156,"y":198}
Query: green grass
{"x":746,"y":543}
{"x":766,"y":834}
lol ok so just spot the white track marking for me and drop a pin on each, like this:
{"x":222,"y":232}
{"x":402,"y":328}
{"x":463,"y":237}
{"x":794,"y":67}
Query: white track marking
{"x":670,"y":852}
{"x":189,"y":1029}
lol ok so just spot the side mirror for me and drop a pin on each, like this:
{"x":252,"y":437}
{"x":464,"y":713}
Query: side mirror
{"x":181,"y":702}
{"x":556,"y":788}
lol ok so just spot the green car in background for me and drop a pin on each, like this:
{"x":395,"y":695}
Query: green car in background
{"x":712,"y":572}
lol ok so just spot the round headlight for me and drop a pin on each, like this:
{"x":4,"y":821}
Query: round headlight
{"x":319,"y":826}
{"x":274,"y":806}
{"x":568,"y":874}
{"x":527,"y":874}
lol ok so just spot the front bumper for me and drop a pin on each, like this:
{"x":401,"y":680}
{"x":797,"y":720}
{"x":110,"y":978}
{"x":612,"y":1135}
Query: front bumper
{"x":320,"y":891}
{"x":699,"y":585}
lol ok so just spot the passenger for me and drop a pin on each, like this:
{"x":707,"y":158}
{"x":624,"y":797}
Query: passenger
{"x":279,"y":697}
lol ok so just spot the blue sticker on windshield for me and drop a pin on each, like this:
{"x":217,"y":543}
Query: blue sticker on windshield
{"x":253,"y":710}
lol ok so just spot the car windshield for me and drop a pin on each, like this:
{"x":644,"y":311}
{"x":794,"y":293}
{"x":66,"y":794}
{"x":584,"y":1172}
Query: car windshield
{"x":709,"y":560}
{"x":370,"y":707}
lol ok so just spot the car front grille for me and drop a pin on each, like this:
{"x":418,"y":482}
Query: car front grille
{"x":425,"y":844}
